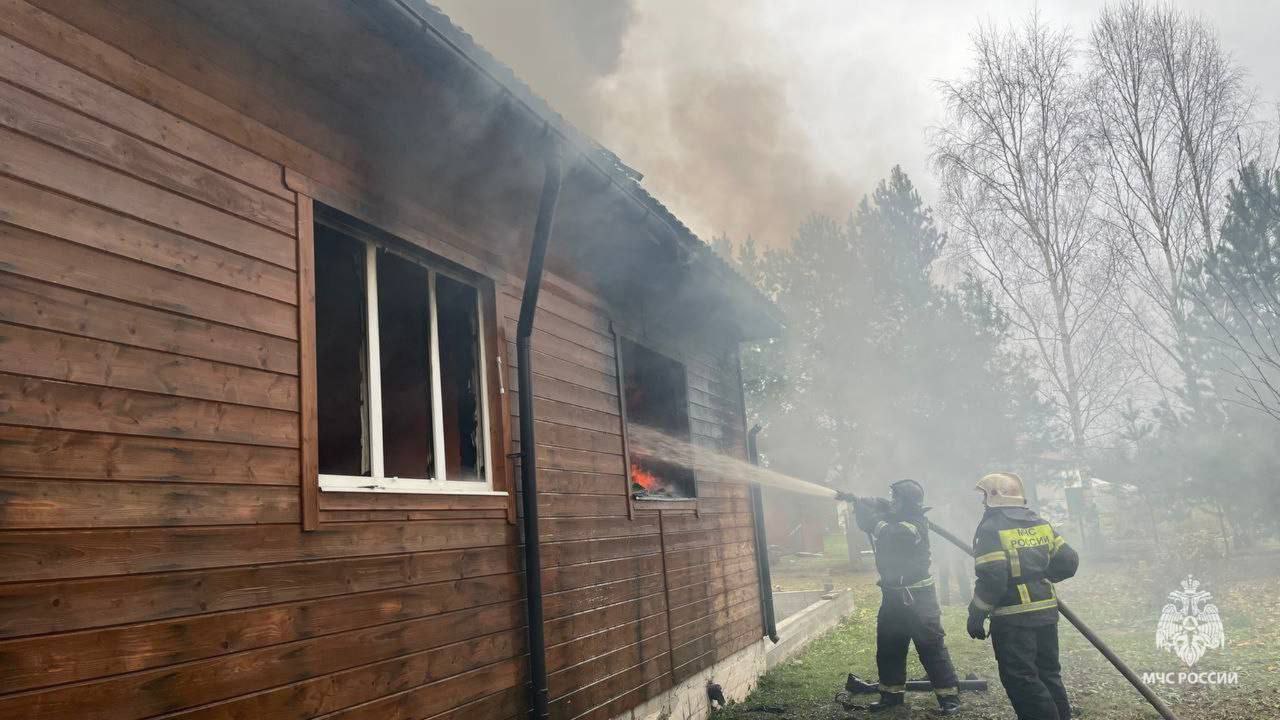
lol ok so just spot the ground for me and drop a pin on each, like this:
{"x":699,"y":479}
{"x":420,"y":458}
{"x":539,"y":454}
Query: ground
{"x":1121,"y":601}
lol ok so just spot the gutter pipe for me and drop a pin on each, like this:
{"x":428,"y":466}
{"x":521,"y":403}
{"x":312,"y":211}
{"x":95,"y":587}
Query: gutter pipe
{"x":762,"y":543}
{"x":538,"y":701}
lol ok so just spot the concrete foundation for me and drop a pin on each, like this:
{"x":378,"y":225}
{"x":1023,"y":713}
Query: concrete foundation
{"x":737,"y":675}
{"x":789,"y":602}
{"x":797,"y":630}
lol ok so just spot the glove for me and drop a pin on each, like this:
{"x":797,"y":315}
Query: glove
{"x":868,"y":512}
{"x":976,"y":626}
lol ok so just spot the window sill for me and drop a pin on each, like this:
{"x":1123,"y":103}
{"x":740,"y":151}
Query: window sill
{"x":648,"y":503}
{"x":402,"y":486}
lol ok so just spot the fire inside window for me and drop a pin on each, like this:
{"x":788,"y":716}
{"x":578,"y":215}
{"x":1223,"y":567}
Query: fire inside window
{"x":401,"y":398}
{"x":657,"y":397}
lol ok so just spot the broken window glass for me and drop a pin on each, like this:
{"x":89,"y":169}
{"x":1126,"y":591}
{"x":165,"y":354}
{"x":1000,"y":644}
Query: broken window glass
{"x":401,"y":383}
{"x":460,"y":378}
{"x":341,"y":369}
{"x":404,"y":334}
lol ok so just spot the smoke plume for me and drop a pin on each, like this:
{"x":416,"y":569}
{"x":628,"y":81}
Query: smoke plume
{"x":692,"y":95}
{"x":747,"y":115}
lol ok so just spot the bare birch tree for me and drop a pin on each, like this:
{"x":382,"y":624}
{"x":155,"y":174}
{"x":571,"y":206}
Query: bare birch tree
{"x":1169,"y":109}
{"x":1017,"y":164}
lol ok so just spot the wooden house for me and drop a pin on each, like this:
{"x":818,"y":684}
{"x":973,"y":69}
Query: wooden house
{"x":261,"y":271}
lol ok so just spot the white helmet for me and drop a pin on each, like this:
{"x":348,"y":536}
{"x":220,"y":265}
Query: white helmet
{"x":1002,"y":489}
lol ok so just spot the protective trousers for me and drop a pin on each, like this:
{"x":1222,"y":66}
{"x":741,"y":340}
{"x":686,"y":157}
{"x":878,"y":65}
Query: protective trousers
{"x":1029,"y":669}
{"x":908,"y":616}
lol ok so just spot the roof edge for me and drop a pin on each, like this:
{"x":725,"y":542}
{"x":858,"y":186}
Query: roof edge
{"x":622,"y":176}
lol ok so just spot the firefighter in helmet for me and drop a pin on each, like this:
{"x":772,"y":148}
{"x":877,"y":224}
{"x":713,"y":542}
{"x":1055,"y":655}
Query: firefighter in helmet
{"x":909,"y":610}
{"x":1018,"y":556}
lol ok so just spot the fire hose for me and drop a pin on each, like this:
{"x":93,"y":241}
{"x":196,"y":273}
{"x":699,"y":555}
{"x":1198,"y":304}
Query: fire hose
{"x":1088,"y":634}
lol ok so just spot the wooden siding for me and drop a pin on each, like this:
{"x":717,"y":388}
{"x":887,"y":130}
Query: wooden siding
{"x":155,"y":412}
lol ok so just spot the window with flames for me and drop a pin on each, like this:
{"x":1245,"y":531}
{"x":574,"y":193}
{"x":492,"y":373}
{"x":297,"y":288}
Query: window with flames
{"x":657,"y":397}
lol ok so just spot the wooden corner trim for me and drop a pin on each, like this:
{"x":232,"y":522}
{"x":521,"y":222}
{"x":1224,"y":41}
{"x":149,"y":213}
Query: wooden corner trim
{"x":308,"y":448}
{"x":620,"y":381}
{"x":501,"y":429}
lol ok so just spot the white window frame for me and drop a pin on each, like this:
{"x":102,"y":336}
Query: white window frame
{"x":377,"y":481}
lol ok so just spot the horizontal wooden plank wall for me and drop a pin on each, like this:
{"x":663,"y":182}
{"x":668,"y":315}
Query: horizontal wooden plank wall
{"x":151,"y":554}
{"x":605,"y":607}
{"x":711,"y":568}
{"x":623,"y":643}
{"x":152,"y":560}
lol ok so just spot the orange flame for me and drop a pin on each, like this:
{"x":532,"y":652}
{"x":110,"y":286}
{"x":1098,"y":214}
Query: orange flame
{"x":645,"y":479}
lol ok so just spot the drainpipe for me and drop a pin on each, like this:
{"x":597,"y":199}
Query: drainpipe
{"x":762,"y":543}
{"x":538,"y":709}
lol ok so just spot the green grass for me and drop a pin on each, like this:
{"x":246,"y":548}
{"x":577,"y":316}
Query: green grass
{"x":1121,"y":603}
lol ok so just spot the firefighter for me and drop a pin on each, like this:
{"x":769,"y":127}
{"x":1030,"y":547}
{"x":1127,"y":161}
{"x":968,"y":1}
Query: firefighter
{"x":909,"y":610}
{"x":1018,"y":556}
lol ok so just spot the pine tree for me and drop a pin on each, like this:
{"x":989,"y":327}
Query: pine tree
{"x":882,"y":372}
{"x":1238,"y":293}
{"x":1227,"y":462}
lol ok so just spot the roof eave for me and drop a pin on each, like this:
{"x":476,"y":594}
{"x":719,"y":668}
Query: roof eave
{"x":767,"y":319}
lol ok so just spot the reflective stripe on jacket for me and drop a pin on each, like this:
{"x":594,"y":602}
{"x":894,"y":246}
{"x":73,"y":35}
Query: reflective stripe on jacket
{"x":1018,"y":557}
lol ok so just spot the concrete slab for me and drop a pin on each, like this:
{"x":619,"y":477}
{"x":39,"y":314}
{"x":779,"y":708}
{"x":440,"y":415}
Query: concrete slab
{"x":815,"y":619}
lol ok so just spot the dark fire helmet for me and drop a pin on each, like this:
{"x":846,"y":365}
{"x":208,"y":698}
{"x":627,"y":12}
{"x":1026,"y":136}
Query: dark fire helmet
{"x":908,"y":492}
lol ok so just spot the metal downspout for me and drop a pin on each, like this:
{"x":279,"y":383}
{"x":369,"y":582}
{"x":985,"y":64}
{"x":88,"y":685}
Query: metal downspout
{"x":762,"y":543}
{"x":538,"y":701}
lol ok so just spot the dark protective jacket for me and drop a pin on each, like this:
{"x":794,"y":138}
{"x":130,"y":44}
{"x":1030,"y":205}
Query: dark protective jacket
{"x":1017,"y":558}
{"x":901,"y":543}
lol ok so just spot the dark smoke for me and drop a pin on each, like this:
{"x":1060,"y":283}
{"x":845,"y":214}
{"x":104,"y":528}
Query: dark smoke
{"x":692,"y":96}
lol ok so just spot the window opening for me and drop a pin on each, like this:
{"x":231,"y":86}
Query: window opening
{"x":341,"y":364}
{"x":657,"y":397}
{"x":460,"y":371}
{"x":401,"y":382}
{"x":404,"y":333}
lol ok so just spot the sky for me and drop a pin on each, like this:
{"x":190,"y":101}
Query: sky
{"x":745,"y":116}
